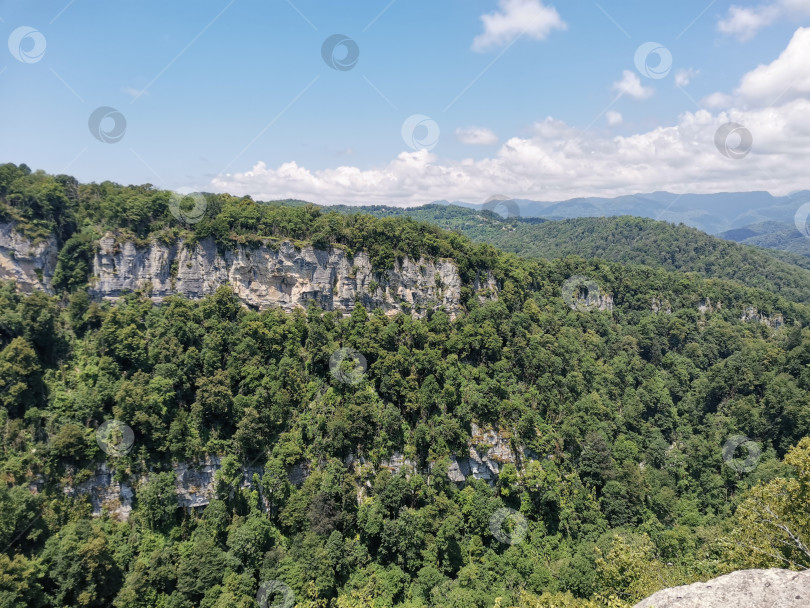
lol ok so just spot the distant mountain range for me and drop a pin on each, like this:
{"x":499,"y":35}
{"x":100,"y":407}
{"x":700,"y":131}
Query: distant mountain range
{"x":755,"y":218}
{"x":624,"y":239}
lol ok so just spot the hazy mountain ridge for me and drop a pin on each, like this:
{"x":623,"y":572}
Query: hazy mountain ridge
{"x":712,"y":213}
{"x":624,"y":239}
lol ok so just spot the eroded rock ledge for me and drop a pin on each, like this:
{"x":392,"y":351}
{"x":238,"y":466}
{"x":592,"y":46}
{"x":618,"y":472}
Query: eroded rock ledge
{"x":29,"y":265}
{"x":271,"y":275}
{"x":288,"y":276}
{"x":487,"y":452}
{"x":772,"y":588}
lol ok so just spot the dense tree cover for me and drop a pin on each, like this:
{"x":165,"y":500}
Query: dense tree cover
{"x":627,"y":412}
{"x":624,"y":239}
{"x":782,"y":237}
{"x":41,"y":205}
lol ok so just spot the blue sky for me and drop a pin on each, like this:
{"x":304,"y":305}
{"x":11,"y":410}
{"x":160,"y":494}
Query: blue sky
{"x":210,"y":89}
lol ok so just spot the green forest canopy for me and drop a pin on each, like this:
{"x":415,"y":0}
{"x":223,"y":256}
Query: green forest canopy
{"x":624,"y":239}
{"x":627,"y":411}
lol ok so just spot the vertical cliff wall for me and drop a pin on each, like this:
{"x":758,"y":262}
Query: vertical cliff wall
{"x":270,"y":275}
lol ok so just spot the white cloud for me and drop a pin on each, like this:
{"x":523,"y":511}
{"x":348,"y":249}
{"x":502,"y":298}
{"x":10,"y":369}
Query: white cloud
{"x":787,"y":77}
{"x":717,"y":100}
{"x":613,"y":118}
{"x":630,"y":84}
{"x":476,"y":136}
{"x":745,"y":23}
{"x":685,"y":76}
{"x":557,"y":161}
{"x":515,"y":18}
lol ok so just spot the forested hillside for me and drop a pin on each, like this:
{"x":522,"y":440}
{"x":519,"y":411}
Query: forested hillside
{"x":778,"y":236}
{"x":624,"y":239}
{"x":633,"y":420}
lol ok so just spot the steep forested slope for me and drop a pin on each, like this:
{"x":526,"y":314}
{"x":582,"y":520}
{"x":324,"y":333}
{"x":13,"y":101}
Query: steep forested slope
{"x":778,"y":236}
{"x":625,"y":239}
{"x":334,"y":485}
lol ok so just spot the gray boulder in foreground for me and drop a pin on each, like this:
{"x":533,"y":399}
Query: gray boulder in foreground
{"x":772,"y":588}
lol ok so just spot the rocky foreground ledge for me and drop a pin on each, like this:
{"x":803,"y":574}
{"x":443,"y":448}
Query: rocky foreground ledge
{"x":772,"y":588}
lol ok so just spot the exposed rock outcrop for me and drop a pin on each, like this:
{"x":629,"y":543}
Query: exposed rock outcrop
{"x":706,"y":305}
{"x":772,"y":588}
{"x":488,"y":451}
{"x":288,"y":276}
{"x":270,"y":275}
{"x":751,"y":314}
{"x":105,"y":493}
{"x":658,"y":305}
{"x":195,"y":482}
{"x":30,"y":265}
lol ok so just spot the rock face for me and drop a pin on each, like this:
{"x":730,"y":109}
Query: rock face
{"x":30,"y":265}
{"x":195,"y":482}
{"x":772,"y":588}
{"x":752,"y":314}
{"x":288,"y":277}
{"x":262,"y":277}
{"x":106,"y":494}
{"x":488,"y":451}
{"x":658,"y":305}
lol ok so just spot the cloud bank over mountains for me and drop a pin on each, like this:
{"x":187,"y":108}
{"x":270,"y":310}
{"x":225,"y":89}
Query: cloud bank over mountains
{"x":558,"y":161}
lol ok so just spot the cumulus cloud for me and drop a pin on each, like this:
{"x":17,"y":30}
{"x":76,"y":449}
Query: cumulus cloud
{"x":684,"y":77}
{"x":614,"y":118}
{"x":476,"y":136}
{"x":745,"y":22}
{"x":787,"y":77}
{"x":556,"y":161}
{"x":515,"y":18}
{"x":630,"y":84}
